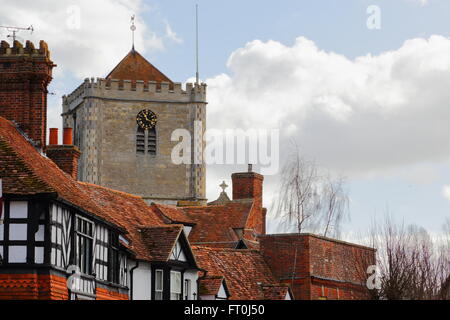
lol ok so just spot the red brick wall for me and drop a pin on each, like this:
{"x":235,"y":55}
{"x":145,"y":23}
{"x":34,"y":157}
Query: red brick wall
{"x":103,"y":294}
{"x":32,"y":287}
{"x":66,"y":158}
{"x":312,"y":264}
{"x":24,"y":76}
{"x":44,"y":287}
{"x":248,"y":185}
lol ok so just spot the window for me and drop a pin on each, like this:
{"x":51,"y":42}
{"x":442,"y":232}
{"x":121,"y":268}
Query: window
{"x":159,"y":284}
{"x":175,"y":285}
{"x":84,"y":242}
{"x":114,"y":261}
{"x":146,"y":141}
{"x":187,"y":289}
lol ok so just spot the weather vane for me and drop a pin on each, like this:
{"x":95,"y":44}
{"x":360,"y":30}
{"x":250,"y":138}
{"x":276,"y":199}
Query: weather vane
{"x":132,"y":28}
{"x":15,"y":30}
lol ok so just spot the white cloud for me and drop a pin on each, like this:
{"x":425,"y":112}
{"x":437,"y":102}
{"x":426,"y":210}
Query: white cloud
{"x":93,"y":48}
{"x":170,"y":34}
{"x":367,"y":115}
{"x":446,"y":192}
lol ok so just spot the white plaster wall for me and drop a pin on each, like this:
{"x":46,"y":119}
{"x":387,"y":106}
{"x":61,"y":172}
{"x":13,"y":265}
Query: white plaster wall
{"x":193,"y":276}
{"x":141,"y":280}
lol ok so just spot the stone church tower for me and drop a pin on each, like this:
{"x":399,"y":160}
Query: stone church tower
{"x":123,"y":125}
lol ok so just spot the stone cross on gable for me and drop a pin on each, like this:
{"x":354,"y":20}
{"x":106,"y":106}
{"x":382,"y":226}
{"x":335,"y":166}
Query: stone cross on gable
{"x":223,"y":186}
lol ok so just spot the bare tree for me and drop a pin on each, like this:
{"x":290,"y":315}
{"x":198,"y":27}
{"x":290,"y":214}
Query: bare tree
{"x":334,"y":205}
{"x":411,"y":264}
{"x":309,"y":201}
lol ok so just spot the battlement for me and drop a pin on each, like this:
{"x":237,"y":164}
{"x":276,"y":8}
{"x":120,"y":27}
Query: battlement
{"x":19,"y":50}
{"x":139,"y":90}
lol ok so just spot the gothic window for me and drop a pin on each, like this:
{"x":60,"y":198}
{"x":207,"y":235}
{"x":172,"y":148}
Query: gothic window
{"x":146,"y":141}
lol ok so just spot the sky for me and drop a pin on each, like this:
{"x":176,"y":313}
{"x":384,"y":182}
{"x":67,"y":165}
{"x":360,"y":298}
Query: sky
{"x":360,"y":85}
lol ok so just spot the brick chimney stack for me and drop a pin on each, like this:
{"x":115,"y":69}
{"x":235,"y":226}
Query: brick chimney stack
{"x":25,"y":73}
{"x":66,"y":155}
{"x":248,"y":185}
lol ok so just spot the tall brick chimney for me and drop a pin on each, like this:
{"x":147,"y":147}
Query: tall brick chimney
{"x":25,"y":73}
{"x":248,"y":185}
{"x":65,"y":156}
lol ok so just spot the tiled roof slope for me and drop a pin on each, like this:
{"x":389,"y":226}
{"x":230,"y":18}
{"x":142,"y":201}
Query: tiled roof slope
{"x":210,"y":285}
{"x":172,"y":214}
{"x":136,"y":67}
{"x":212,"y":223}
{"x":133,"y":214}
{"x":275,"y":292}
{"x":161,"y":240}
{"x":26,"y":172}
{"x":247,"y":275}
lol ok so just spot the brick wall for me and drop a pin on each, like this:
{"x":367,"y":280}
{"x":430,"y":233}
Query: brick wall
{"x":248,"y":185}
{"x":45,"y":287}
{"x":25,"y":73}
{"x":104,"y":294}
{"x":318,"y":267}
{"x":32,"y":287}
{"x":66,"y":158}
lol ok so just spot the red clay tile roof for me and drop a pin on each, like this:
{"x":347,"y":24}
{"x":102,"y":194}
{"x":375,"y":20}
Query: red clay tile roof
{"x":131,"y":212}
{"x":210,"y":285}
{"x":25,"y":171}
{"x":245,"y":271}
{"x":172,"y":214}
{"x":136,"y":67}
{"x":275,"y":292}
{"x":161,"y":240}
{"x":212,"y":223}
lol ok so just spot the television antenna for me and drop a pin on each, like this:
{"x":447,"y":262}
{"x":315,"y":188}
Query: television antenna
{"x":15,"y":30}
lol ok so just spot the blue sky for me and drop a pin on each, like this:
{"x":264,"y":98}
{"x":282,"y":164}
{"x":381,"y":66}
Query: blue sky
{"x":404,"y":166}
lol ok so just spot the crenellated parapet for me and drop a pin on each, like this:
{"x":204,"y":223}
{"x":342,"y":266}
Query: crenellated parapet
{"x":25,"y":73}
{"x":136,"y":90}
{"x":18,"y":49}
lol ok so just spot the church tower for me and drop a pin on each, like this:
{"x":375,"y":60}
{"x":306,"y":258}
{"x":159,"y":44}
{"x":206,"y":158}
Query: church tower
{"x":123,"y":125}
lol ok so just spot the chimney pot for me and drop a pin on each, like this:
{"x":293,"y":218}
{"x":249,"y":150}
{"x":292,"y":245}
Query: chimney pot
{"x":68,"y":136}
{"x":53,"y":136}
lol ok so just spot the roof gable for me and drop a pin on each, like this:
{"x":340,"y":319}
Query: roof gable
{"x":167,"y":243}
{"x":135,"y":67}
{"x":245,"y":271}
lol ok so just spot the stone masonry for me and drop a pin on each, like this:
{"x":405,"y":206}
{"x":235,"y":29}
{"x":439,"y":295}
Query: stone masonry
{"x":103,"y":114}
